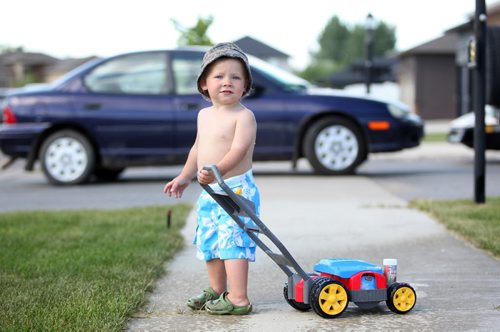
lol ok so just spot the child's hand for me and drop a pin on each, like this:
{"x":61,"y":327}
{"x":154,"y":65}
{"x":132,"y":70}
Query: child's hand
{"x":205,"y":177}
{"x":175,"y":187}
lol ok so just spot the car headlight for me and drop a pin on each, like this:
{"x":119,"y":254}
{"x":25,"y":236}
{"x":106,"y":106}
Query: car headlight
{"x":398,"y":111}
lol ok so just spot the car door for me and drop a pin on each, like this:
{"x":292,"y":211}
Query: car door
{"x":129,"y":108}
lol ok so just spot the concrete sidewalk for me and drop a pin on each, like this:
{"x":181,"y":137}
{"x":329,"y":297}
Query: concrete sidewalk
{"x":322,"y":217}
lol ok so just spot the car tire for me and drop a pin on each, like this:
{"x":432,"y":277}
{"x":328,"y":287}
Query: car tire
{"x":334,"y":146}
{"x":67,"y":158}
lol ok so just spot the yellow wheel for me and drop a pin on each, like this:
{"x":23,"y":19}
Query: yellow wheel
{"x":328,"y":297}
{"x":401,"y":298}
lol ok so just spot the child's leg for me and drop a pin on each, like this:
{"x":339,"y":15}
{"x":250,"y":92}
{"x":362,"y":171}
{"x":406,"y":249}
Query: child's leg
{"x":237,"y":276}
{"x":217,"y":275}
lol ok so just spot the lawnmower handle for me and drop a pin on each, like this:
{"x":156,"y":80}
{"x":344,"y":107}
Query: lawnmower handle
{"x":236,"y":205}
{"x":215,"y":170}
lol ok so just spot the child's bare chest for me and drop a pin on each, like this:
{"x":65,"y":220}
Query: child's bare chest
{"x":219,"y":128}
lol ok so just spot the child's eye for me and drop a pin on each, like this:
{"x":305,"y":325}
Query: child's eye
{"x":236,"y":78}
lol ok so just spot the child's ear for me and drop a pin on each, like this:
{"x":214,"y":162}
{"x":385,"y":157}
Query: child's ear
{"x":203,"y":85}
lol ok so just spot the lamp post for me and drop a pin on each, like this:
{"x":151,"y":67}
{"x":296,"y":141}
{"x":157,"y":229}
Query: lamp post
{"x":369,"y":29}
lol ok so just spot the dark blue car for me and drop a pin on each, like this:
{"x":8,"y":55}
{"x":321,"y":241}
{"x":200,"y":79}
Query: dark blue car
{"x":140,"y":109}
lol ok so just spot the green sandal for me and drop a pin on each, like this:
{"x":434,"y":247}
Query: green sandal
{"x":198,"y":302}
{"x":222,"y":306}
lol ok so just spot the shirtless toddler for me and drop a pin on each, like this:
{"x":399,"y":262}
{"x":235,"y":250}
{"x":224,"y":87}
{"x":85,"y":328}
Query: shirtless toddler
{"x":225,"y":138}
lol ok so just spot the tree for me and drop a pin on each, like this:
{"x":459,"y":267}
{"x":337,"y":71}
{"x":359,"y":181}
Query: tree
{"x":339,"y":45}
{"x":196,"y":35}
{"x":335,"y":31}
{"x":4,"y":49}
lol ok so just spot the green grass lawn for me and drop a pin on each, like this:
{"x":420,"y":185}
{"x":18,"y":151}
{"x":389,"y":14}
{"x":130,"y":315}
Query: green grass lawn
{"x":477,"y":223}
{"x":435,"y":137}
{"x":85,"y":270}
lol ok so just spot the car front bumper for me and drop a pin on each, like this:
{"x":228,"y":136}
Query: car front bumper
{"x":466,"y":137}
{"x":459,"y":135}
{"x":402,"y":134}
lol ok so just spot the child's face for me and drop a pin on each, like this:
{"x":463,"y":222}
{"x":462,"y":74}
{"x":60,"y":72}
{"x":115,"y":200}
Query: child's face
{"x":225,"y":81}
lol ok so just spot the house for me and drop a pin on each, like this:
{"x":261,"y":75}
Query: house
{"x":63,"y":66}
{"x":264,"y":52}
{"x":435,"y":78}
{"x":427,"y":77}
{"x":18,"y":68}
{"x":465,"y":74}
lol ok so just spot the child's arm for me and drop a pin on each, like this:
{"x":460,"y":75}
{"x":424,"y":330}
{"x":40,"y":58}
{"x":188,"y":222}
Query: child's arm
{"x":244,"y":138}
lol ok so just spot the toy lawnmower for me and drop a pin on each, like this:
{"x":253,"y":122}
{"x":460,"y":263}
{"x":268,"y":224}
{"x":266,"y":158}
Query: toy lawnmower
{"x":335,"y":282}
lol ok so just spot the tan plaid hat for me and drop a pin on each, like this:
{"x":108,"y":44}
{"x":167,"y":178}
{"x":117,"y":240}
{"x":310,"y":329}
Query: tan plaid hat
{"x":225,"y":50}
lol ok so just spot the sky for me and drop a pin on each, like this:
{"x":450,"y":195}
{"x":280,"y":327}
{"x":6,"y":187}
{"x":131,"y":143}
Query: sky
{"x":76,"y":28}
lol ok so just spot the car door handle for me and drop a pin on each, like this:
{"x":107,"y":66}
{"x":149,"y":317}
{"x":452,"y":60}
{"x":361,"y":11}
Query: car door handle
{"x":92,"y":106}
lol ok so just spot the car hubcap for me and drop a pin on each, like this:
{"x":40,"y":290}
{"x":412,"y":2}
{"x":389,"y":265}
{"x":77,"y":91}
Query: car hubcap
{"x":66,"y":159}
{"x":336,"y":147}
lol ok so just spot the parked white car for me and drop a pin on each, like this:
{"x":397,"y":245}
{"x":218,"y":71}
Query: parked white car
{"x":462,"y":129}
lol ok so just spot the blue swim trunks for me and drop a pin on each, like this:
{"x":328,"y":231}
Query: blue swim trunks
{"x":217,"y":234}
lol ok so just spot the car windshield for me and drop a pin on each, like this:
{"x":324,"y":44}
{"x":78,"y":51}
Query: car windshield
{"x":287,"y":80}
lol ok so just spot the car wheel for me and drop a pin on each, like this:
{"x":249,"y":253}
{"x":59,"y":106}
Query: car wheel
{"x":67,"y":158}
{"x":401,"y":298}
{"x":334,"y":145}
{"x":294,"y":304}
{"x":328,"y":297}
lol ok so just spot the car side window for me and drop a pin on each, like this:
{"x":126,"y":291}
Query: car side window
{"x":131,"y":74}
{"x":186,"y":72}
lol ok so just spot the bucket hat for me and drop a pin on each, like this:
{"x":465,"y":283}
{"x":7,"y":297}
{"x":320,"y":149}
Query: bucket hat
{"x":225,"y":50}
